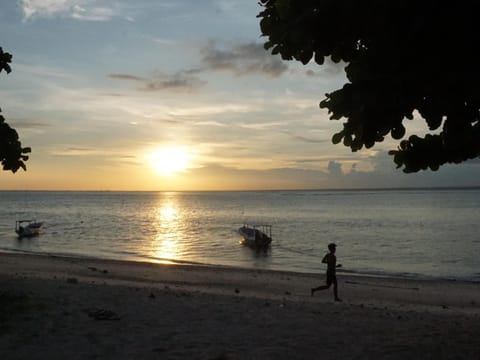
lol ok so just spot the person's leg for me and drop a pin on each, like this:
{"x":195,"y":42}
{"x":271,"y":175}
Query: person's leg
{"x":323,"y":287}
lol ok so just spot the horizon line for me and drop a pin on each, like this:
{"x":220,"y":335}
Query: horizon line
{"x":261,"y":190}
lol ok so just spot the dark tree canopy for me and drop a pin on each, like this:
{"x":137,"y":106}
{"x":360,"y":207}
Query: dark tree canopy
{"x":401,"y":56}
{"x":12,"y":155}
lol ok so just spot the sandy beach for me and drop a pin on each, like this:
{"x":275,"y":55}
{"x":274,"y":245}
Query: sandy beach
{"x":76,"y":308}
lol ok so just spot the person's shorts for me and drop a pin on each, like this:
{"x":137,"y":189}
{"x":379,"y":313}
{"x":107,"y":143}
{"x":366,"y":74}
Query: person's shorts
{"x":331,"y":278}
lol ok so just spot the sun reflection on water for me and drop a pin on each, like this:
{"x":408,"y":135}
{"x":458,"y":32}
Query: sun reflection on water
{"x":167,"y":244}
{"x":167,"y":214}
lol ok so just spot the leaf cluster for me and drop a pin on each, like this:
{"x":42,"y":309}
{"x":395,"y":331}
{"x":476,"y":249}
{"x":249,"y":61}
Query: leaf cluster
{"x":401,"y":56}
{"x":12,"y":154}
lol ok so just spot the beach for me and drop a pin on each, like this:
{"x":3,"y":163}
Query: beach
{"x":55,"y":307}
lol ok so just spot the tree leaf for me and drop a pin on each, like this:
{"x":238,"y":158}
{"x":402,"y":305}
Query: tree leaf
{"x":337,"y":138}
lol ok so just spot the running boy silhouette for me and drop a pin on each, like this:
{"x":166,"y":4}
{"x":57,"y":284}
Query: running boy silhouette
{"x":331,"y":260}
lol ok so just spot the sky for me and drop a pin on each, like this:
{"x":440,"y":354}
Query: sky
{"x":172,"y":95}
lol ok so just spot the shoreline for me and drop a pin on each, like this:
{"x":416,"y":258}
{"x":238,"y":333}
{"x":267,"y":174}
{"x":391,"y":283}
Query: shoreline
{"x":474,"y":279}
{"x":223,"y":276}
{"x":56,"y":307}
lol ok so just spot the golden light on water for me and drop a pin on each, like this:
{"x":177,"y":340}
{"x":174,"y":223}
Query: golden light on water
{"x":167,"y":249}
{"x":167,"y":242}
{"x":167,"y":214}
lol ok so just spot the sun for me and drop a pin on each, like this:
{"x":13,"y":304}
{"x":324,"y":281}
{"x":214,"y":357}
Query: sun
{"x":170,"y":160}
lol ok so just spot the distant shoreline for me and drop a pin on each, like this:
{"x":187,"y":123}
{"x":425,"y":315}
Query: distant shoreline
{"x":435,"y":188}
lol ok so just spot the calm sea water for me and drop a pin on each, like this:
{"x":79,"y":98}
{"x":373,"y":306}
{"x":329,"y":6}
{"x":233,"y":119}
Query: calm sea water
{"x":426,"y":233}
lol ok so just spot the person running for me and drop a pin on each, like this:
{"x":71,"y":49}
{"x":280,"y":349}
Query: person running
{"x":331,"y":260}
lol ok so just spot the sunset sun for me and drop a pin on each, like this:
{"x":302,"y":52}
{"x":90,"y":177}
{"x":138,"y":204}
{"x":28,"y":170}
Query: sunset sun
{"x":170,"y":161}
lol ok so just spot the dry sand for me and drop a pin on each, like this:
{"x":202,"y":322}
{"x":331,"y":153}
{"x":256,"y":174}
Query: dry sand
{"x":71,"y":308}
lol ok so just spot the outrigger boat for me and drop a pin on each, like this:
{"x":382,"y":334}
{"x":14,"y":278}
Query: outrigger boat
{"x":256,"y":235}
{"x":28,"y":228}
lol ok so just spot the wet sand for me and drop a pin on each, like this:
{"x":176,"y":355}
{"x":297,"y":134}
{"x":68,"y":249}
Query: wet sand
{"x":77,"y":308}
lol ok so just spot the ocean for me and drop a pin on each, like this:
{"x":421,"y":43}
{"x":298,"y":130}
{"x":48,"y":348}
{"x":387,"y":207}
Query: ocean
{"x":422,"y":233}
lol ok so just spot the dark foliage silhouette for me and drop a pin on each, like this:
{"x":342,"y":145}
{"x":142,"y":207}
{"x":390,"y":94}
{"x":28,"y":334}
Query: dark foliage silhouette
{"x":401,"y":57}
{"x":12,"y":154}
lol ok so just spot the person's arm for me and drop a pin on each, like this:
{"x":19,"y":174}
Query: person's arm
{"x":325,"y":259}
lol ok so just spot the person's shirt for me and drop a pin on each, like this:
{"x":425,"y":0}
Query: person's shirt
{"x":331,"y":261}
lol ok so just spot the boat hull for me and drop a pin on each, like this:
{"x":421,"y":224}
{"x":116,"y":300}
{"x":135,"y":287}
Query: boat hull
{"x":254,"y":237}
{"x":30,"y":230}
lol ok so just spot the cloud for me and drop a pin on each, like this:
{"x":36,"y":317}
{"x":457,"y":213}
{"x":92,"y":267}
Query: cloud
{"x":227,"y":178}
{"x":75,"y":151}
{"x":260,"y":126}
{"x":163,"y":41}
{"x":85,"y":10}
{"x":126,"y":77}
{"x":30,"y":124}
{"x":242,"y":59}
{"x":182,"y":81}
{"x":308,"y":139}
{"x":92,"y":14}
{"x":334,"y":168}
{"x":328,"y":69}
{"x":384,"y":174}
